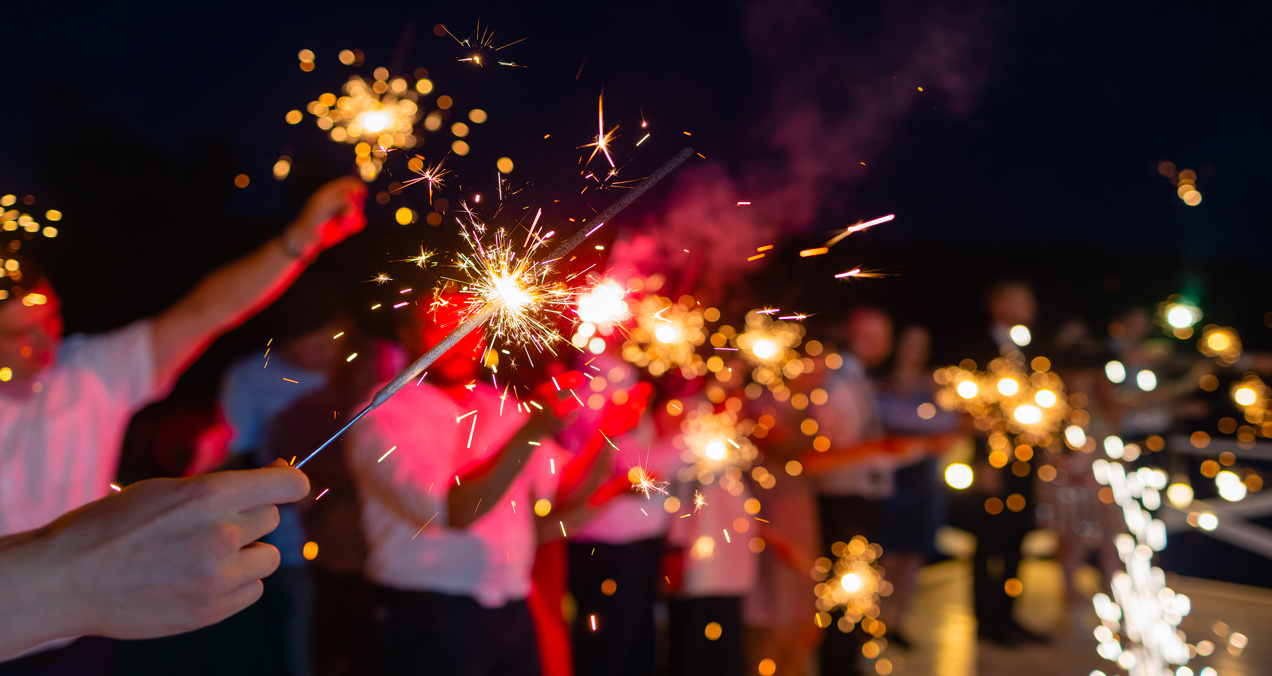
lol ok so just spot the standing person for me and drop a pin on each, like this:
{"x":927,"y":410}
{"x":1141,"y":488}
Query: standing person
{"x":614,"y":556}
{"x":1000,"y":533}
{"x":65,"y":404}
{"x":448,"y":474}
{"x":913,"y":513}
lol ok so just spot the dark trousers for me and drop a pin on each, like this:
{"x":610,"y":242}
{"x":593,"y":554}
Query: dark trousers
{"x":693,"y":653}
{"x":843,"y":517}
{"x":430,"y":633}
{"x":342,"y":631}
{"x":623,"y":643}
{"x":997,"y":559}
{"x":89,"y":656}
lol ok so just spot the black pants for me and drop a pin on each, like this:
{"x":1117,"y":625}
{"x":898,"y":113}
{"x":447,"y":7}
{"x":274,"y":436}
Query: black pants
{"x":997,"y":559}
{"x":623,"y":643}
{"x":342,"y":628}
{"x":693,"y":652}
{"x":841,"y":519}
{"x":429,"y":633}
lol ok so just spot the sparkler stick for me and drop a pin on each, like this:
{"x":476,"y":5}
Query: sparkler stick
{"x":414,"y":370}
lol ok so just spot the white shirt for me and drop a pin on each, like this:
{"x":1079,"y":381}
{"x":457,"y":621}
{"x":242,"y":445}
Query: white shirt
{"x":60,"y":442}
{"x":403,"y":496}
{"x":850,"y":417}
{"x":634,"y":517}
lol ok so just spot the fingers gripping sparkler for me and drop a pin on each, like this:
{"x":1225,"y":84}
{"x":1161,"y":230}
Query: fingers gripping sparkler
{"x":485,"y":314}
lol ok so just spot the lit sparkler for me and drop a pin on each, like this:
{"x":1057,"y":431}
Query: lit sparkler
{"x":666,"y":336}
{"x":505,"y":291}
{"x":644,"y":482}
{"x":16,"y":228}
{"x":770,"y":347}
{"x":714,"y":445}
{"x":603,"y":138}
{"x":1222,"y":343}
{"x":852,"y":584}
{"x":482,"y":40}
{"x":600,"y":310}
{"x":1008,"y":400}
{"x":376,"y":115}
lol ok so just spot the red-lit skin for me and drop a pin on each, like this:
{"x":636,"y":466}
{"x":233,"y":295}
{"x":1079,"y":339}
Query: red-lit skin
{"x":29,"y":336}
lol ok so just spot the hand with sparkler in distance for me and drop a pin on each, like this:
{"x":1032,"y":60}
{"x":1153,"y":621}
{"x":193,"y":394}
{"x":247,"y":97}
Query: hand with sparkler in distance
{"x":160,"y":557}
{"x":228,"y":296}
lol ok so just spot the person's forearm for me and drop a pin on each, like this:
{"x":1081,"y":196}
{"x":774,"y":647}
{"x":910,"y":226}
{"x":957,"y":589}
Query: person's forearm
{"x":480,"y":487}
{"x":221,"y":301}
{"x":35,"y":611}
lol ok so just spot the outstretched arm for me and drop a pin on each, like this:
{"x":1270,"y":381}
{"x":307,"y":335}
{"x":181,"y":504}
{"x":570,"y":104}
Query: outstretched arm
{"x":230,"y":295}
{"x":161,"y":557}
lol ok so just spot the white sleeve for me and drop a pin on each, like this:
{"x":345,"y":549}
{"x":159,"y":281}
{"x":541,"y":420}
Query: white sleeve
{"x":414,"y":478}
{"x":123,"y":359}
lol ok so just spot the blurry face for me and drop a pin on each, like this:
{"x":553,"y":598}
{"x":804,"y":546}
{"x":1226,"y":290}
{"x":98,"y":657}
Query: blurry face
{"x":913,"y":348}
{"x":1013,"y":305}
{"x":870,"y":338}
{"x":459,"y":364}
{"x":30,"y":334}
{"x":317,"y":350}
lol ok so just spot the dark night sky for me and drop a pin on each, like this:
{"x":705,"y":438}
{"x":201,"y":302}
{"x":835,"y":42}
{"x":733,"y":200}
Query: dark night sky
{"x":1038,"y":130}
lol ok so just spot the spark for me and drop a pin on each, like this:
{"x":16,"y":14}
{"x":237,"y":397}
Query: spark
{"x":351,"y":357}
{"x":324,"y":492}
{"x":603,"y":138}
{"x":858,"y":227}
{"x":386,"y":454}
{"x":292,"y":381}
{"x":430,"y":175}
{"x":647,"y":484}
{"x":861,"y":273}
{"x":482,"y":40}
{"x":698,"y":501}
{"x":381,"y":279}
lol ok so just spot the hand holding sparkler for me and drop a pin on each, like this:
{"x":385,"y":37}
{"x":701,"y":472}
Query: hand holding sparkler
{"x":331,"y":214}
{"x":493,"y":309}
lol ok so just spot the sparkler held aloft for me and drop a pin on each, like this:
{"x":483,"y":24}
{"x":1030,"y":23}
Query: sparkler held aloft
{"x":416,"y":369}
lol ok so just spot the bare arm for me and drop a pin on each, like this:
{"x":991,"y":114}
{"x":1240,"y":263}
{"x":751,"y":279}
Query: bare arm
{"x":480,"y":487}
{"x":162,"y":557}
{"x":230,"y":295}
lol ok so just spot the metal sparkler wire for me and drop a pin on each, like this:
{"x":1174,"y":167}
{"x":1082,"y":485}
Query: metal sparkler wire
{"x":415,"y":369}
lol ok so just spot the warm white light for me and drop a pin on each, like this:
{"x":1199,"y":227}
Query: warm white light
{"x":715,"y":450}
{"x":1207,"y":521}
{"x":1028,"y":414}
{"x":958,"y":475}
{"x":1230,"y":486}
{"x":1180,"y":495}
{"x":666,"y":333}
{"x":968,"y":389}
{"x":763,"y":348}
{"x":1245,"y":396}
{"x":1075,"y":437}
{"x":1115,"y":371}
{"x":603,"y":304}
{"x":1020,"y":335}
{"x":1045,"y":398}
{"x":1008,"y":386}
{"x":850,"y":582}
{"x":375,"y":121}
{"x":1114,"y":448}
{"x":1146,"y":380}
{"x":510,"y":293}
{"x":1181,"y":316}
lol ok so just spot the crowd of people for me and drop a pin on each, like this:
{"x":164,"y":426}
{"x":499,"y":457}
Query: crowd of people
{"x":459,"y":530}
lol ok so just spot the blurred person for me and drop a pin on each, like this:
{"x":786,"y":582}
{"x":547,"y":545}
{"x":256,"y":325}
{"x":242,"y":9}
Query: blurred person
{"x":619,"y":547}
{"x":1159,"y":408}
{"x":305,"y":348}
{"x":1010,"y":304}
{"x":912,"y":514}
{"x":1069,"y":504}
{"x":341,"y":630}
{"x":66,"y":404}
{"x":777,"y":610}
{"x":710,"y":570}
{"x":159,"y":557}
{"x":448,"y":474}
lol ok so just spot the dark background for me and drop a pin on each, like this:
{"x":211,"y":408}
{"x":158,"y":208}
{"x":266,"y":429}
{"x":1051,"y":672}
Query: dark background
{"x":1031,"y":151}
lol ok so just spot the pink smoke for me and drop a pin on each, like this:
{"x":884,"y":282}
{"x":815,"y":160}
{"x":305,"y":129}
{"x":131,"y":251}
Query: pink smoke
{"x":832,"y":106}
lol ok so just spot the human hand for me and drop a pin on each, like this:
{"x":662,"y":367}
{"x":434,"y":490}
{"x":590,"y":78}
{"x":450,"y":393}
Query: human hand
{"x":163,"y":556}
{"x":331,"y":214}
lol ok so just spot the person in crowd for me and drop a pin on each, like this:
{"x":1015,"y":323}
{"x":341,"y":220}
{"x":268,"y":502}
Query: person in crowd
{"x":855,"y":473}
{"x":614,"y":556}
{"x":710,"y":570}
{"x":999,"y":533}
{"x":913,"y":513}
{"x":159,"y":557}
{"x":342,"y":625}
{"x":448,"y":473}
{"x":65,"y":404}
{"x":303,"y":351}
